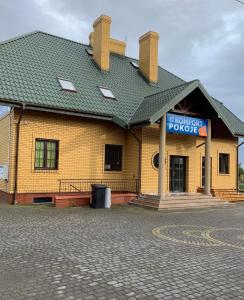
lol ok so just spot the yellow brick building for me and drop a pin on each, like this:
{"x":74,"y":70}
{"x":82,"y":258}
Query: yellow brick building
{"x":83,"y":114}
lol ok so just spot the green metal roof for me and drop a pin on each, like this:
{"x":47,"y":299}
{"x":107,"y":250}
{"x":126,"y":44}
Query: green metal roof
{"x":235,"y":125}
{"x":30,"y":66}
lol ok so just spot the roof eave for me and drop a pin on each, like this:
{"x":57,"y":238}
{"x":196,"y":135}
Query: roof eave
{"x":119,"y":122}
{"x":84,"y":114}
{"x":241,"y":135}
{"x":142,"y":123}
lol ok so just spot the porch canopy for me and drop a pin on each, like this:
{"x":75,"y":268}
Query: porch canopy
{"x":154,"y":106}
{"x":190,"y":99}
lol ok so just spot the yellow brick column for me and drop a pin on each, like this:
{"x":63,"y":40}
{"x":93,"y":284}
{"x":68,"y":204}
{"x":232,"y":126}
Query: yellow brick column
{"x":162,"y":152}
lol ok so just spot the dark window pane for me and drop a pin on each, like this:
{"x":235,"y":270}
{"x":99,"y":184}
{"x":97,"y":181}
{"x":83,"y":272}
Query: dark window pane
{"x":113,"y":158}
{"x":46,"y":154}
{"x":39,"y":158}
{"x":51,"y":155}
{"x":39,"y":200}
{"x":156,"y":160}
{"x":224,"y":163}
{"x":203,"y":171}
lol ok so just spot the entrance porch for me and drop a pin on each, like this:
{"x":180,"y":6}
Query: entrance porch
{"x":195,"y":148}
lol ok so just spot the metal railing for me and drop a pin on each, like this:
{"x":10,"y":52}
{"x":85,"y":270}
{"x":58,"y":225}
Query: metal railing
{"x":84,"y":185}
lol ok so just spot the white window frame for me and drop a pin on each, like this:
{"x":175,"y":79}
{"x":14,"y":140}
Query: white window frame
{"x":70,"y":88}
{"x":103,"y":91}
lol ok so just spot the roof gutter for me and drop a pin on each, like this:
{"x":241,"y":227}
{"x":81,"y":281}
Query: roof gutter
{"x":140,"y":124}
{"x":59,"y":111}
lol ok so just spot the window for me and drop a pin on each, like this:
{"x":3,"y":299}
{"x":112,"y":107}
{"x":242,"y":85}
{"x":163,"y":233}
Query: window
{"x":134,"y":64}
{"x":66,"y":85}
{"x":46,"y":154}
{"x":155,"y":160}
{"x":113,"y":158}
{"x":224,"y":163}
{"x":106,"y":92}
{"x":89,"y":51}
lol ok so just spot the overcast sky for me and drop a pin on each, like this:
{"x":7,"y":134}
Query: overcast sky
{"x":199,"y":39}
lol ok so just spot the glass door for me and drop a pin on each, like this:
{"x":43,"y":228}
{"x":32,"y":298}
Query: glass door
{"x":177,"y":174}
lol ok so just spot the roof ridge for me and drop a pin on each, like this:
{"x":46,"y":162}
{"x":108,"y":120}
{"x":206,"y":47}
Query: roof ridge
{"x":42,"y":32}
{"x":177,"y":86}
{"x":16,"y":38}
{"x":217,"y":100}
{"x":63,"y":38}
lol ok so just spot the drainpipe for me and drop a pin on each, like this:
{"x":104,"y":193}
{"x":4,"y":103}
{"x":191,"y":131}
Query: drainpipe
{"x":139,"y":160}
{"x":17,"y":153}
{"x":237,"y":165}
{"x":9,"y":139}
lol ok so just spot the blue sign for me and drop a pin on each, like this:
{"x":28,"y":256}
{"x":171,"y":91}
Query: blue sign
{"x":186,"y":125}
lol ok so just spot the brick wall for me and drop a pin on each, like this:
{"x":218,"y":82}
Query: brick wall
{"x":185,"y":146}
{"x":81,"y":153}
{"x":81,"y":150}
{"x":220,"y":181}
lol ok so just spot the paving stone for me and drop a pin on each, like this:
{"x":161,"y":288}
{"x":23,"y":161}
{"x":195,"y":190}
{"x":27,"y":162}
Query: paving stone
{"x":122,"y":253}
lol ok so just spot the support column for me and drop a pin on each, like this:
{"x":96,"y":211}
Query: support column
{"x":162,"y":152}
{"x":208,"y":161}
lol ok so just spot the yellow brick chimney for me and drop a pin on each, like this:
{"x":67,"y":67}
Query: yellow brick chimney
{"x":148,"y":56}
{"x":115,"y":46}
{"x":101,"y":42}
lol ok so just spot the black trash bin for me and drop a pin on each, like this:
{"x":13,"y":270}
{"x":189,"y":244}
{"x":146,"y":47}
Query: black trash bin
{"x":98,"y":195}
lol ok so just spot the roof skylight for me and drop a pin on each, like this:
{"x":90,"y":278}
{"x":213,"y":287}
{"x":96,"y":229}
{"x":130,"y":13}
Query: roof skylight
{"x":89,"y":51}
{"x":106,"y":92}
{"x":66,"y":85}
{"x":134,"y":64}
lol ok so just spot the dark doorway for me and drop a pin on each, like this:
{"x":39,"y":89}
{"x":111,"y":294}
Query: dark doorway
{"x":177,"y":174}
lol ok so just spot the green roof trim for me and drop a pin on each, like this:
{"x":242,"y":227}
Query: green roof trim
{"x":153,"y":107}
{"x":30,"y":66}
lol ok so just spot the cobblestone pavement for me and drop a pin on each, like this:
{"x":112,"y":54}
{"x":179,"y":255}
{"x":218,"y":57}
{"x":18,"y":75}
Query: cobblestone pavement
{"x":122,"y":253}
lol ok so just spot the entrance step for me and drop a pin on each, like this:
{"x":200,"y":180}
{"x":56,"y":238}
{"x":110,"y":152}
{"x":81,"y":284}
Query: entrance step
{"x":179,"y":201}
{"x":230,"y":195}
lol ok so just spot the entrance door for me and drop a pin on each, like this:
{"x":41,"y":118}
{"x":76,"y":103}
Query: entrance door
{"x":177,"y":174}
